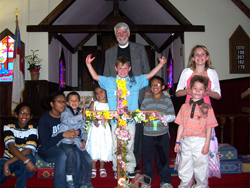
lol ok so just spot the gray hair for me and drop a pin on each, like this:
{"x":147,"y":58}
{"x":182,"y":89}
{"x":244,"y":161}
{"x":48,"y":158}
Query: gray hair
{"x":121,"y":25}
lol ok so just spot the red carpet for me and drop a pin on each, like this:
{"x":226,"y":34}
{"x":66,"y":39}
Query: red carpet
{"x":227,"y":181}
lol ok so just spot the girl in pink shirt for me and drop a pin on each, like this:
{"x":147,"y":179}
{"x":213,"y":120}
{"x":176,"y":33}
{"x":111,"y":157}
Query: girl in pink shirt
{"x":200,"y":64}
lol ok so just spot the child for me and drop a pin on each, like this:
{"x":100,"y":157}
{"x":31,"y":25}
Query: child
{"x":134,"y":84}
{"x":99,"y":144}
{"x":20,"y":138}
{"x":196,"y":120}
{"x":156,"y":135}
{"x":200,"y":64}
{"x":72,"y":118}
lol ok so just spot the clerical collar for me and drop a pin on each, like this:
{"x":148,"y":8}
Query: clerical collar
{"x":199,"y":102}
{"x":125,"y":46}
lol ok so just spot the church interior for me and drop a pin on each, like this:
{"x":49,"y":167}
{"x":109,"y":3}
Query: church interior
{"x":66,"y":31}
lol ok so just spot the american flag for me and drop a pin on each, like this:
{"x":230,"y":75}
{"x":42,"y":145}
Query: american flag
{"x":18,"y":73}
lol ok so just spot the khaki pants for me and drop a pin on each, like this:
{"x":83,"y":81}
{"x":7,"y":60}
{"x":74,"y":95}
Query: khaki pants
{"x":130,"y":166}
{"x":193,"y":162}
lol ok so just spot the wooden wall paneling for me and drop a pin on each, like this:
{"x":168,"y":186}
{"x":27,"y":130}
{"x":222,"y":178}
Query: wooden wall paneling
{"x":85,"y":78}
{"x":36,"y":92}
{"x":231,"y":103}
{"x":108,"y":40}
{"x":5,"y":98}
{"x":231,"y":90}
{"x":99,"y":69}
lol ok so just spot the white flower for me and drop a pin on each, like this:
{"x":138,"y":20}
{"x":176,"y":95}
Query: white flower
{"x":33,"y":60}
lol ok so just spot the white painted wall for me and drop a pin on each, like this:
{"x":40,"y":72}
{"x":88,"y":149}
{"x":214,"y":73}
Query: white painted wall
{"x":221,"y":18}
{"x":32,"y":12}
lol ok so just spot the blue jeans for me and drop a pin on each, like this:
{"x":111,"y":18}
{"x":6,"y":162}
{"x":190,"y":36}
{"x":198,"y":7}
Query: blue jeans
{"x":157,"y":146}
{"x":86,"y":168}
{"x":71,"y":158}
{"x":18,"y":165}
{"x":58,"y":156}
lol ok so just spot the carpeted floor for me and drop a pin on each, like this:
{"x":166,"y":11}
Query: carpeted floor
{"x":227,"y":181}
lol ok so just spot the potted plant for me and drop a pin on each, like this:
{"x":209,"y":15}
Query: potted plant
{"x":34,"y":64}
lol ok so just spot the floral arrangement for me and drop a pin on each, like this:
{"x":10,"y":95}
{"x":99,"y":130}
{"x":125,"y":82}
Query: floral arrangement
{"x":33,"y":61}
{"x":104,"y":116}
{"x":122,"y":134}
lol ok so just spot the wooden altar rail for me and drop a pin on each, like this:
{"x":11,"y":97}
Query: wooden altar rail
{"x":222,"y":122}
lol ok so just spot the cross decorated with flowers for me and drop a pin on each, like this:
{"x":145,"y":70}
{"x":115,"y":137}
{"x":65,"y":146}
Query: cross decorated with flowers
{"x":122,"y":115}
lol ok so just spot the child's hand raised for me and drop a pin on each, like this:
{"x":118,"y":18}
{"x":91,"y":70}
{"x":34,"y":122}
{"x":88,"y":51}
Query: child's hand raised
{"x":89,"y":59}
{"x":162,"y":60}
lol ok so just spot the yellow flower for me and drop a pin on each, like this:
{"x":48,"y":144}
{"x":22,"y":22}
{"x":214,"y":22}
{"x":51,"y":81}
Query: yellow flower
{"x":121,"y":83}
{"x":124,"y":92}
{"x":123,"y":86}
{"x":87,"y":113}
{"x":106,"y":114}
{"x":124,"y":102}
{"x":152,"y":118}
{"x":138,"y":111}
{"x":122,"y":122}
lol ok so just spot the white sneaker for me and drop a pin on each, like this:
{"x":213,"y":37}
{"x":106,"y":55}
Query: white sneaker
{"x":166,"y":185}
{"x":145,"y":186}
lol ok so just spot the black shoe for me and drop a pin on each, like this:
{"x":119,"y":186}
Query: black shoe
{"x":131,"y":174}
{"x":137,"y":168}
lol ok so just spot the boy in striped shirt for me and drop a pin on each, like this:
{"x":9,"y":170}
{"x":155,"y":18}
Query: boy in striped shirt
{"x":20,"y":139}
{"x":156,"y":135}
{"x":195,"y":120}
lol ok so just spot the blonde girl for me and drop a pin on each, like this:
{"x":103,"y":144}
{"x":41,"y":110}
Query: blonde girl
{"x":200,"y":64}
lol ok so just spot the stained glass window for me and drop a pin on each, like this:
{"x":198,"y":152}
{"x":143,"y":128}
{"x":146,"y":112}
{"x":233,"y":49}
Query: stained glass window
{"x":170,"y":70}
{"x":6,"y":59}
{"x":62,"y":71}
{"x":170,"y":74}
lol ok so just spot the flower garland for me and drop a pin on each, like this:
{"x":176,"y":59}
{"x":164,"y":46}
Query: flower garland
{"x":93,"y":118}
{"x":122,"y":134}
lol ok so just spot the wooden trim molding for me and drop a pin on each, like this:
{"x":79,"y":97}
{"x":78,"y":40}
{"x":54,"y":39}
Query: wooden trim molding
{"x":242,"y":7}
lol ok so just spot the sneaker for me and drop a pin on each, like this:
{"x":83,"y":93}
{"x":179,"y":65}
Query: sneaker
{"x":131,"y":174}
{"x":115,"y":175}
{"x":70,"y":184}
{"x":166,"y":185}
{"x":87,"y":186}
{"x":145,"y":186}
{"x":137,"y":168}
